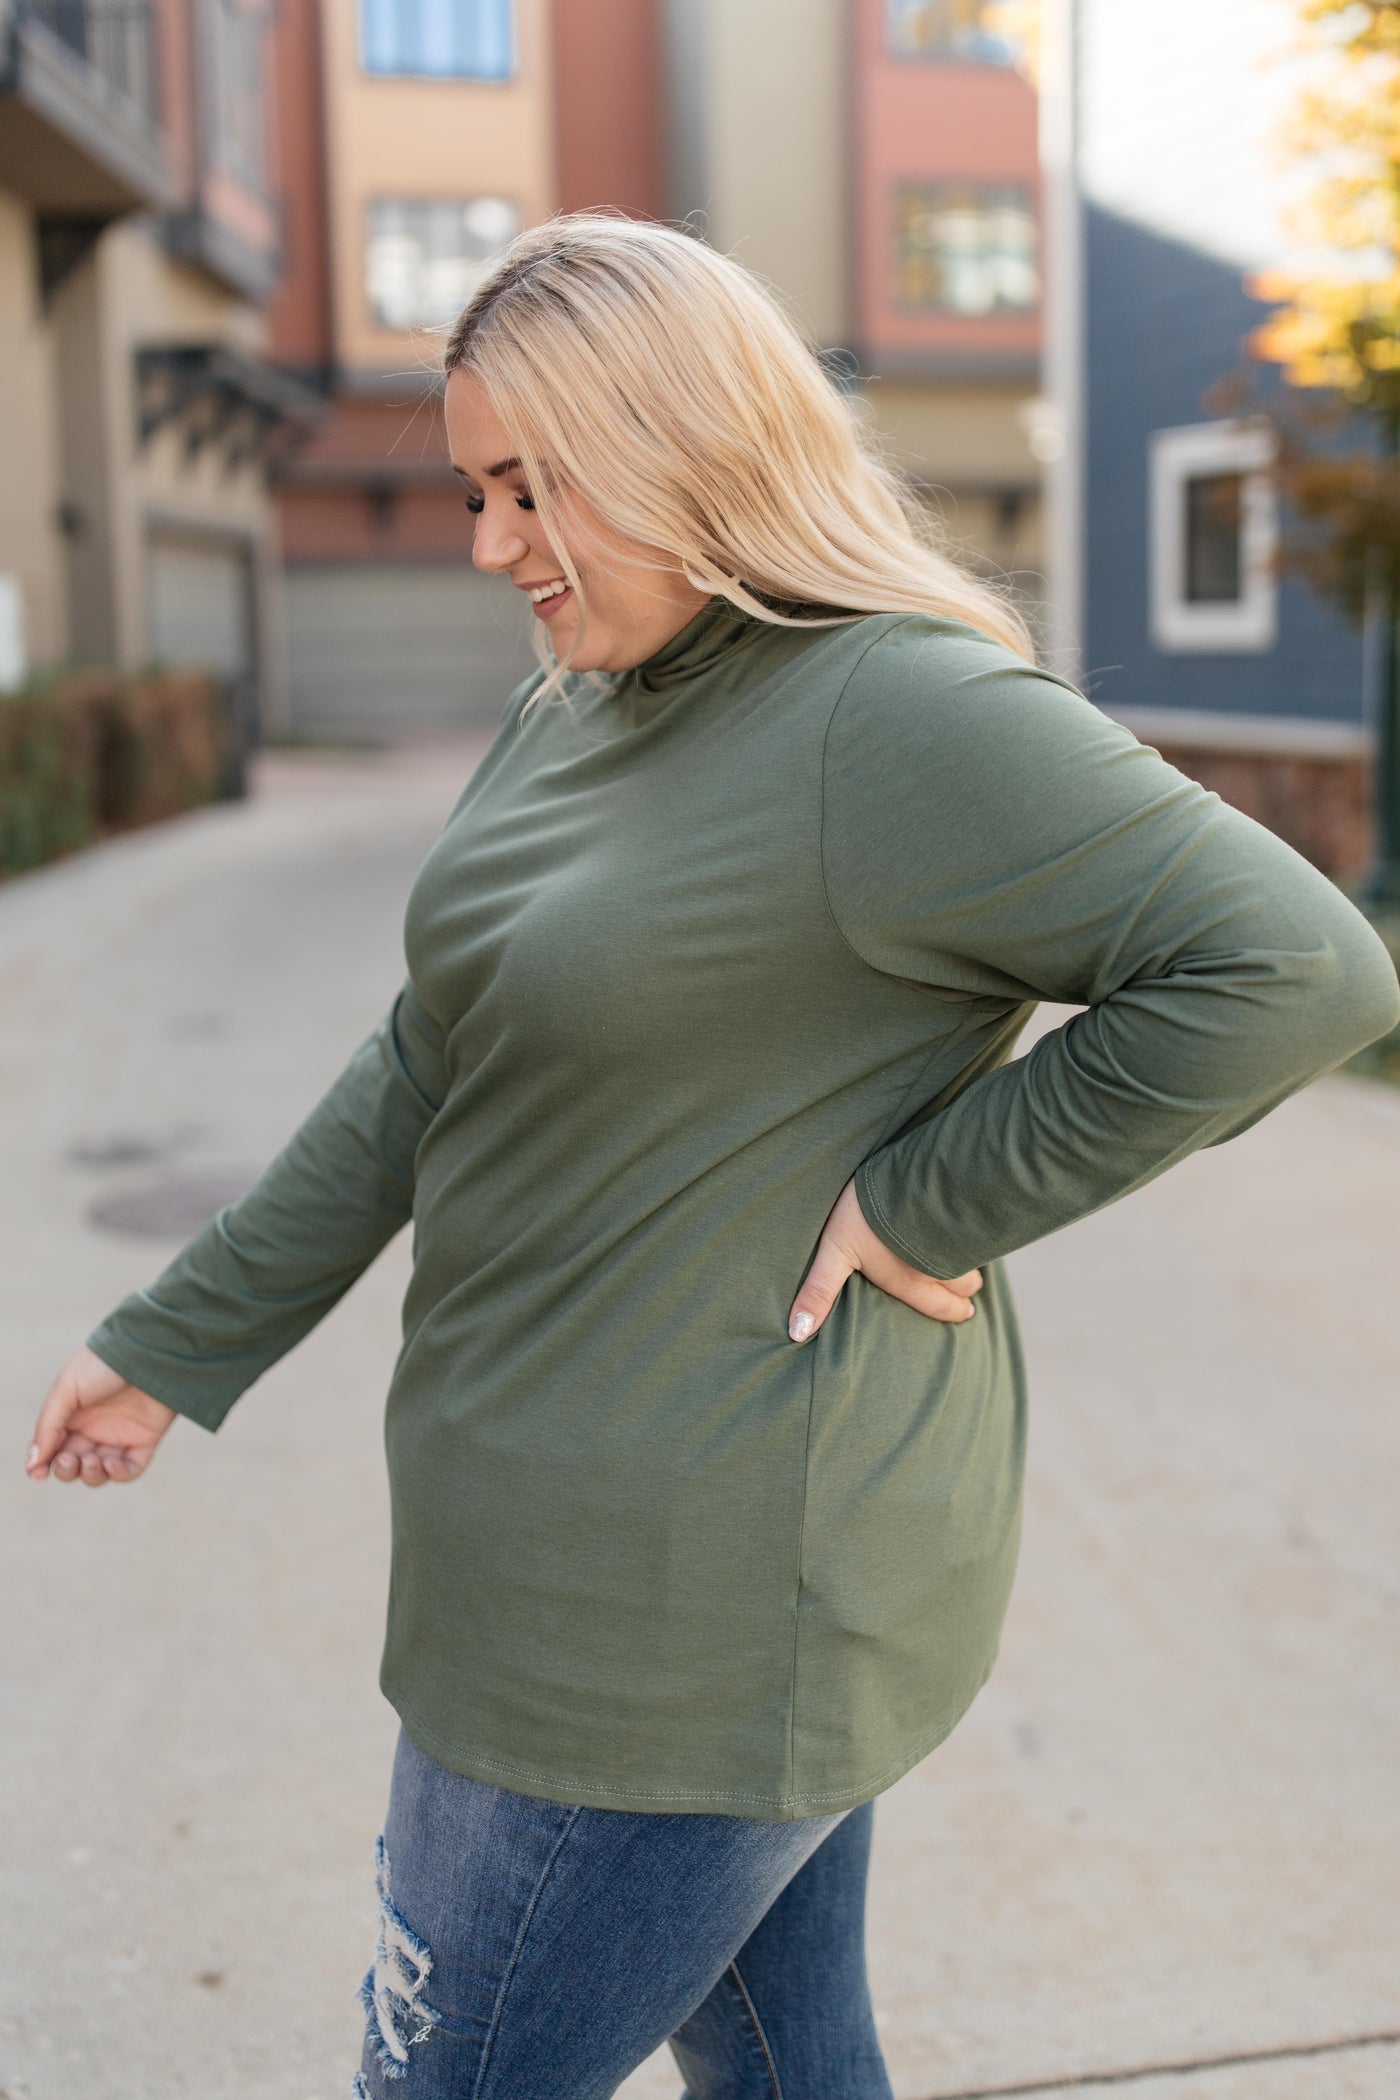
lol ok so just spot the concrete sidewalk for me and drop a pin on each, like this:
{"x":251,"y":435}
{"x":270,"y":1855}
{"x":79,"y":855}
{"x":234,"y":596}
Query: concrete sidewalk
{"x":1160,"y":1854}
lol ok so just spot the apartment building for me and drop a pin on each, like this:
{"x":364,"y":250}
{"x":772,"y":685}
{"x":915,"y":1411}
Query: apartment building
{"x":874,"y":159}
{"x":1167,"y":522}
{"x":947,"y":269}
{"x":419,"y":139}
{"x":138,"y":407}
{"x":877,"y":162}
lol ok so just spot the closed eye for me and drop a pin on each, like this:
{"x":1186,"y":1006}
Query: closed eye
{"x":477,"y":504}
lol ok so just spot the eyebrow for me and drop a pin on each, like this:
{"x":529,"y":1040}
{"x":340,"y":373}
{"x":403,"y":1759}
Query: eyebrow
{"x":502,"y":466}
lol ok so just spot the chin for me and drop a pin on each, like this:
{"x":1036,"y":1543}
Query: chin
{"x":593,"y":656}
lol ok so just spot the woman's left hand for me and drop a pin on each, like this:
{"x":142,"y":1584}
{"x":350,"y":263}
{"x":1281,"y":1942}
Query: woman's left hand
{"x":847,"y":1244}
{"x":95,"y":1426}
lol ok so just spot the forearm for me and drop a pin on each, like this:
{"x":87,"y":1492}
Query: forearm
{"x":987,"y":833}
{"x":262,"y":1273}
{"x":1169,"y":1063}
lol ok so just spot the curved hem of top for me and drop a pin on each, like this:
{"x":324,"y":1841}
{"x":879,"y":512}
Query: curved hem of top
{"x":719,"y":1801}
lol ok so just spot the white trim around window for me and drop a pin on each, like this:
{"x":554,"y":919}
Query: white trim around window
{"x":1246,"y":621}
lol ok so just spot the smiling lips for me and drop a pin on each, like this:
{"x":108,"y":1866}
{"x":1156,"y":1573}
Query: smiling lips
{"x":547,"y":597}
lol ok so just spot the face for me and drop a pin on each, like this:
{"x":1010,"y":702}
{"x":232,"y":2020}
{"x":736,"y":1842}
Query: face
{"x":637,"y":599}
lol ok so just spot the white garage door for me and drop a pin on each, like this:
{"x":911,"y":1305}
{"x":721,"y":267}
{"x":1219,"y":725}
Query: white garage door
{"x":201,"y":604}
{"x":377,"y":651}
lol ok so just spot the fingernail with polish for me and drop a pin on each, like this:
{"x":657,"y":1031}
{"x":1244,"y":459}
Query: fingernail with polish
{"x":33,"y":1454}
{"x":800,"y":1326}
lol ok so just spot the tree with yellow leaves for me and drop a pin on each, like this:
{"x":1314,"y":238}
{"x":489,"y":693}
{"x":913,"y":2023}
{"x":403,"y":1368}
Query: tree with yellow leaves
{"x":1341,"y":329}
{"x":1335,"y":332}
{"x":1019,"y":22}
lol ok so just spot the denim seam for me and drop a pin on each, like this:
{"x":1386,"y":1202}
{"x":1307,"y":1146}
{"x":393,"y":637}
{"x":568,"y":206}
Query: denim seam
{"x":757,"y":2026}
{"x":498,"y":2010}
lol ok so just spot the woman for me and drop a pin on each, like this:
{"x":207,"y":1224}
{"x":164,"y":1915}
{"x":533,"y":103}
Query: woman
{"x":706,"y":1435}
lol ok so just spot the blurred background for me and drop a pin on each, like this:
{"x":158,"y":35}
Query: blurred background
{"x":1118,"y":286}
{"x":1035,"y":240}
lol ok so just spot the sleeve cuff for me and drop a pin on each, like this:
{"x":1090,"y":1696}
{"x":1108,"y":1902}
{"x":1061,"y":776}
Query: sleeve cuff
{"x":928,"y":1261}
{"x":192,"y":1390}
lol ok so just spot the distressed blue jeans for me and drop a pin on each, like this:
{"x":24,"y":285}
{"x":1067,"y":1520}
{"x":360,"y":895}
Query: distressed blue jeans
{"x":533,"y":1951}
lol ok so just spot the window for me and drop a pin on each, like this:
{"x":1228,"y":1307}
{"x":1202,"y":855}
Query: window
{"x":965,"y":248}
{"x":426,"y":256}
{"x":234,"y":35}
{"x":1212,"y":531}
{"x":958,"y":29}
{"x":445,"y":39}
{"x":1213,"y":518}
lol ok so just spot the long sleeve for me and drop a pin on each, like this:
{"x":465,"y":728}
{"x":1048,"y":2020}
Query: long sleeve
{"x":261,"y":1274}
{"x":988,"y":833}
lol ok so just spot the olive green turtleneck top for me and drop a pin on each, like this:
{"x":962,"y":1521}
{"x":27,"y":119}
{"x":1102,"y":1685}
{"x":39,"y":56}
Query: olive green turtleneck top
{"x":697,"y":944}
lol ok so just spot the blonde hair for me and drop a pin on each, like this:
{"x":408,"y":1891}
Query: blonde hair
{"x":662,"y":382}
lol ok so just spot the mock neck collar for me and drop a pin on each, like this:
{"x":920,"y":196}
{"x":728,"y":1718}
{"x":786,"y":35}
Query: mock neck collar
{"x":711,"y":634}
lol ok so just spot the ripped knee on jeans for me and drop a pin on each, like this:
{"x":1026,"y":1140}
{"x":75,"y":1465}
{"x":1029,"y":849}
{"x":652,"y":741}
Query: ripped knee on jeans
{"x":397,"y":2014}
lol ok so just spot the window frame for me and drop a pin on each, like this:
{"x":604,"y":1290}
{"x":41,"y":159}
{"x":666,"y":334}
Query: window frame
{"x":1192,"y":451}
{"x":988,"y":195}
{"x":235,"y":60}
{"x":402,"y":72}
{"x":369,"y":205}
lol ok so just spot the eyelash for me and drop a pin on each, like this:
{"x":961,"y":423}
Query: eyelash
{"x":476,"y":504}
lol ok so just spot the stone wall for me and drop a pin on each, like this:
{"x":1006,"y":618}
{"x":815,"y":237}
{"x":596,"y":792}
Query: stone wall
{"x":1321,"y":805}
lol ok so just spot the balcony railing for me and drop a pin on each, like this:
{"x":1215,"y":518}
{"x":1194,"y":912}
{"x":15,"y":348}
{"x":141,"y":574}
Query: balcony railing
{"x":115,"y":39}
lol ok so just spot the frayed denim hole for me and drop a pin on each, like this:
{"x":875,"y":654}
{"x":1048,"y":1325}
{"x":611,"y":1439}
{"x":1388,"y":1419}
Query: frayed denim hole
{"x":359,"y":2090}
{"x":396,"y":2012}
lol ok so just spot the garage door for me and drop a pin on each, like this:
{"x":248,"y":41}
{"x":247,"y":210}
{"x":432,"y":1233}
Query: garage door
{"x":201,"y":604}
{"x":200,"y":610}
{"x":380,"y":651}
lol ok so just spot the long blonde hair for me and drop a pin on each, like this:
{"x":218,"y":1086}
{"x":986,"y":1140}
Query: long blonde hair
{"x":663,"y":383}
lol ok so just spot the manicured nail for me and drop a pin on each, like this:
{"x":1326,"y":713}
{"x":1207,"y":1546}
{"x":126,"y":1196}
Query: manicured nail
{"x":971,"y":1308}
{"x":800,"y":1326}
{"x":33,"y":1454}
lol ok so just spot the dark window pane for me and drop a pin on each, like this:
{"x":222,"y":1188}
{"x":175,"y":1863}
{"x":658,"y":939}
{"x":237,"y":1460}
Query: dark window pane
{"x":964,"y":248}
{"x":1213,"y":569}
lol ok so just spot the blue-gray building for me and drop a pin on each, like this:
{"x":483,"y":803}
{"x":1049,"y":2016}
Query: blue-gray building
{"x":1166,"y":193}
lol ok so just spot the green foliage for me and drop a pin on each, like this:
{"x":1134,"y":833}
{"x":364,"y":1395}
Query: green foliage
{"x":1340,"y":329}
{"x":1341,"y":530}
{"x":90,"y":752}
{"x":1335,"y":333}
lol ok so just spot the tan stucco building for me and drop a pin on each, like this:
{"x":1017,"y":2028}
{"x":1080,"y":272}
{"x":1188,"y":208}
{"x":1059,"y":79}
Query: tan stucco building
{"x":138,"y":245}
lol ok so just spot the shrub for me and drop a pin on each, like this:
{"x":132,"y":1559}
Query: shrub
{"x":92,"y":751}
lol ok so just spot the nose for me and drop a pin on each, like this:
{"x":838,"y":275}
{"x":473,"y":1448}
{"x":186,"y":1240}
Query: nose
{"x":497,"y":545}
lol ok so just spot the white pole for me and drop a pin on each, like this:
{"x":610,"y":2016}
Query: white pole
{"x":1058,"y":433}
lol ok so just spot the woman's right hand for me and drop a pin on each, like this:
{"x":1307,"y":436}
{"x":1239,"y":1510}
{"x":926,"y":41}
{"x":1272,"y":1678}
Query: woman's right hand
{"x":94,"y":1426}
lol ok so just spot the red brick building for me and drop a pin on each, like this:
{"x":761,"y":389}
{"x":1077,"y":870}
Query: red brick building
{"x":414,"y":143}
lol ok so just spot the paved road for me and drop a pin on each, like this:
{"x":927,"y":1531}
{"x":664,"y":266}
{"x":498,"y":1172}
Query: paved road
{"x":1166,"y":1835}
